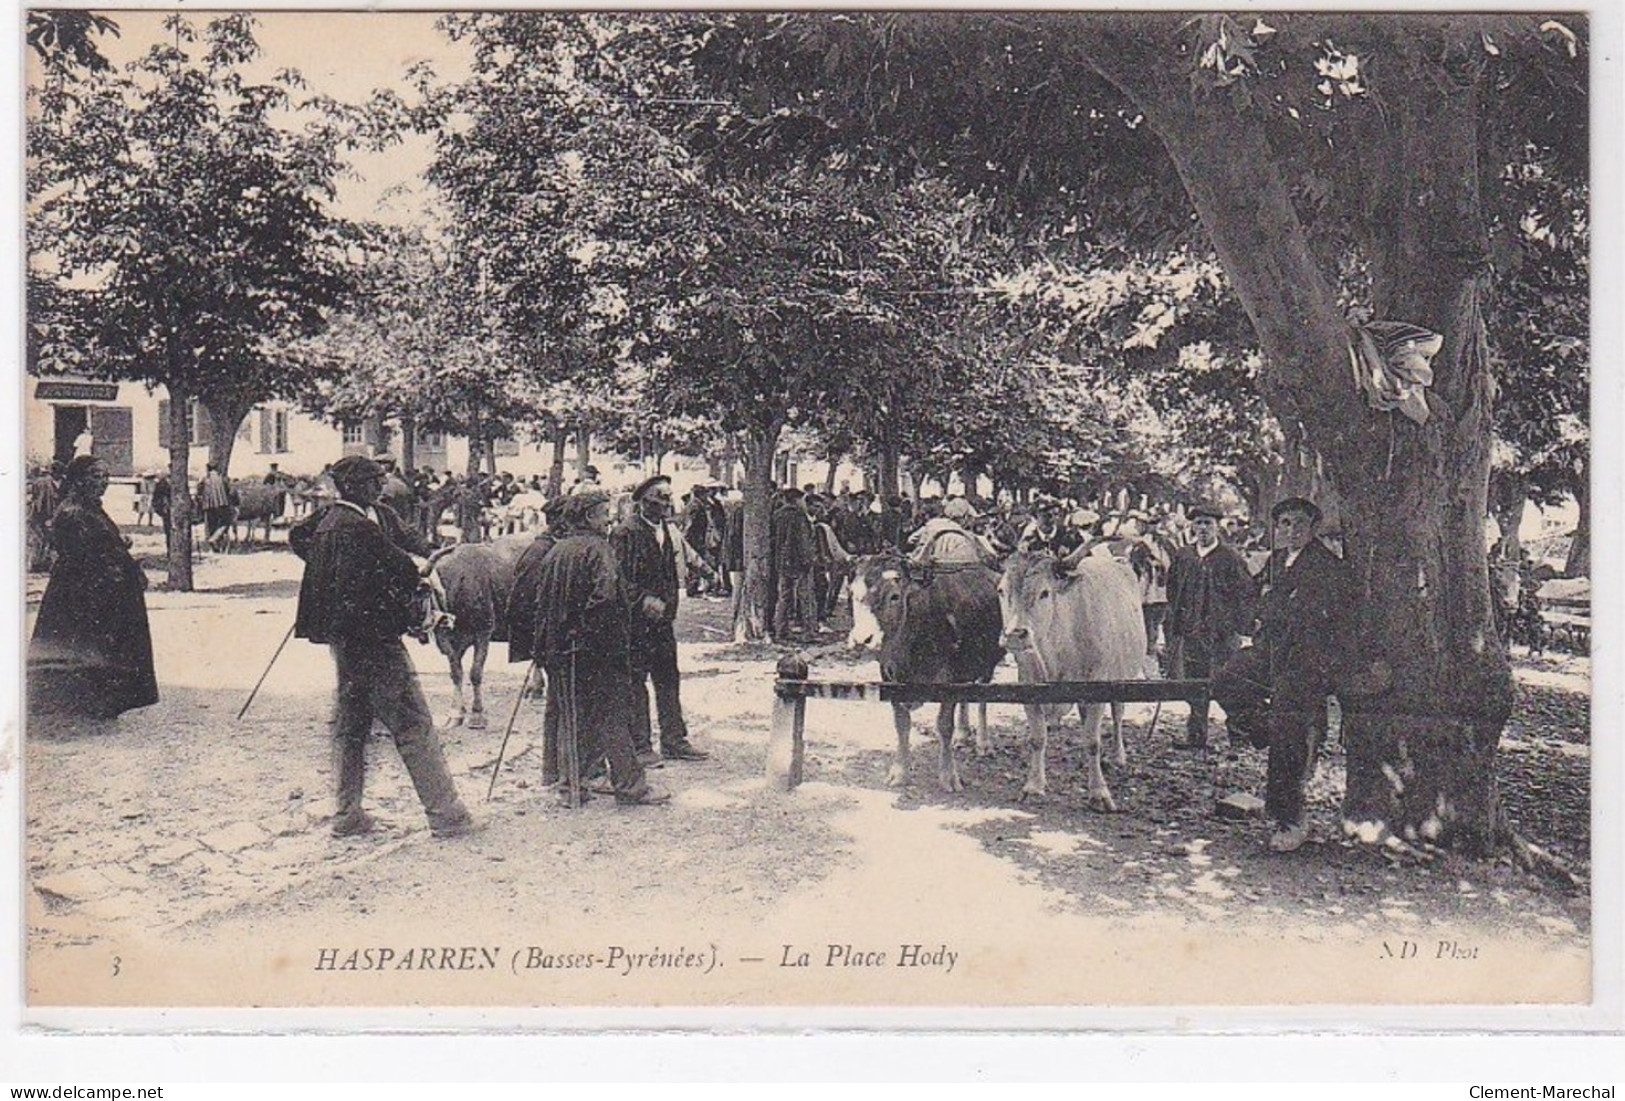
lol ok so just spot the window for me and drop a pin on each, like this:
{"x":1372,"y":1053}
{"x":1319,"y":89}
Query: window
{"x":431,"y":440}
{"x":355,"y":433}
{"x":273,"y":430}
{"x":199,"y":420}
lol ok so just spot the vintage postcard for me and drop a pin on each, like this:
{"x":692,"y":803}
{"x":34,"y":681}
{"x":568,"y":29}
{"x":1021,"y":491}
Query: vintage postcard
{"x":516,"y":501}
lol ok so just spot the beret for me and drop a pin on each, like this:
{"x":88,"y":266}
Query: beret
{"x":649,"y":483}
{"x":355,"y":468}
{"x":1296,"y":504}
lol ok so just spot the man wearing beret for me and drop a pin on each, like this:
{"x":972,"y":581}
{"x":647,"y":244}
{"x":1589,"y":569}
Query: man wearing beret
{"x":581,"y":640}
{"x":522,"y":621}
{"x":645,"y":546}
{"x":1275,"y":691}
{"x":1210,"y":606}
{"x":356,"y":596}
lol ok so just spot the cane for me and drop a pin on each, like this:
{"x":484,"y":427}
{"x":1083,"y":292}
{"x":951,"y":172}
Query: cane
{"x":267,"y":672}
{"x":569,"y":746}
{"x":513,"y":717}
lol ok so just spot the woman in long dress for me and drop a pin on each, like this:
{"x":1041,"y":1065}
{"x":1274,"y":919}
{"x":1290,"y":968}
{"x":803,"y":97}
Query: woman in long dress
{"x":91,"y":654}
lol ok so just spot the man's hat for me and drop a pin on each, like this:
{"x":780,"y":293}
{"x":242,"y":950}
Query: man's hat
{"x":649,"y":483}
{"x":355,"y":469}
{"x":1296,"y":504}
{"x":1205,"y":508}
{"x":791,"y":493}
{"x":578,"y":506}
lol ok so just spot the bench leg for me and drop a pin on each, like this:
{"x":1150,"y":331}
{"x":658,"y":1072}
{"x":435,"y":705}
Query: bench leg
{"x":785,"y":745}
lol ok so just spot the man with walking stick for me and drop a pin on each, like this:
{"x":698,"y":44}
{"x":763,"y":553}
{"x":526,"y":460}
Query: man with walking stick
{"x":356,"y":597}
{"x":582,"y":640}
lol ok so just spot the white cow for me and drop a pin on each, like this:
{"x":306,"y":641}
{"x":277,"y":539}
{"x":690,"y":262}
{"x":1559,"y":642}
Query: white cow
{"x":1072,"y":626}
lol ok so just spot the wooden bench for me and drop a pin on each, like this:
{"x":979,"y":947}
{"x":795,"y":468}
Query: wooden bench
{"x":786,"y":751}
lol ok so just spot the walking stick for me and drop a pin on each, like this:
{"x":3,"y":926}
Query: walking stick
{"x":513,"y":717}
{"x":569,"y":745}
{"x":267,"y":672}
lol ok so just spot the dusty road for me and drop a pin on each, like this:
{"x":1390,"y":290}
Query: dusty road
{"x":183,"y":858}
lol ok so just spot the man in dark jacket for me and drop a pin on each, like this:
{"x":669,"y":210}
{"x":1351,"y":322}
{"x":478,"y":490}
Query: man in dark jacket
{"x":1275,"y":691}
{"x":356,"y":597}
{"x":645,"y":547}
{"x":522,"y":624}
{"x":795,"y":552}
{"x":582,"y":640}
{"x":1210,"y":606}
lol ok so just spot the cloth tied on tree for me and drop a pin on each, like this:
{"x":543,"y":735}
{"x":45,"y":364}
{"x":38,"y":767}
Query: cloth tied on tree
{"x":1393,"y":365}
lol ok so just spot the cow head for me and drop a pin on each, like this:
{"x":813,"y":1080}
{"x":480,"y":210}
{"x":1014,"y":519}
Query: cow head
{"x":877,"y":600}
{"x":1027,"y":592}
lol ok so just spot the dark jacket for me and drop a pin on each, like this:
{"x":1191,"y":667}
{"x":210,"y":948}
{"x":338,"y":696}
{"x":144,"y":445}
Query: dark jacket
{"x":91,"y":652}
{"x":358,"y":585}
{"x":580,"y":605}
{"x":647,"y":569}
{"x":795,"y":547}
{"x":527,"y":573}
{"x":1209,"y":598}
{"x":407,"y":538}
{"x":1306,"y":612}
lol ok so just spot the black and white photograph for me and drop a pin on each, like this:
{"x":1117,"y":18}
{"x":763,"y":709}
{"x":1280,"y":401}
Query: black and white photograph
{"x":849,"y":510}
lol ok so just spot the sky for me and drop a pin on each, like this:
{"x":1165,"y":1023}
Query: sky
{"x":345,"y":55}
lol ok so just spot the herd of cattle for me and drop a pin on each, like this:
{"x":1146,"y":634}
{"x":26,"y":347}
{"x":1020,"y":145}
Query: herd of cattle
{"x":931,"y":624}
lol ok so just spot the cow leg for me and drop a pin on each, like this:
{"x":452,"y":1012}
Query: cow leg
{"x":1100,"y":796}
{"x":1037,"y":743}
{"x":984,"y":746}
{"x":1117,"y":735}
{"x":947,"y":767}
{"x":476,"y":678}
{"x":454,"y":658}
{"x":899,"y":766}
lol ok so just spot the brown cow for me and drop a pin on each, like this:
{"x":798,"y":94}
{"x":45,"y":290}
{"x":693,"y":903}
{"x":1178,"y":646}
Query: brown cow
{"x":933,"y":625}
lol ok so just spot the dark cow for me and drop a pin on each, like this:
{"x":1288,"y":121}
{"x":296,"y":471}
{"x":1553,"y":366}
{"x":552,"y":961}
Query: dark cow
{"x":476,"y":580}
{"x":256,"y":503}
{"x":1072,"y":625}
{"x":933,"y":625}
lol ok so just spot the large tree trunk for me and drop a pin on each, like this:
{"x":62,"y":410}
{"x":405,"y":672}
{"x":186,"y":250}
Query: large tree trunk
{"x":1579,"y":559}
{"x":180,"y":490}
{"x":1509,"y":494}
{"x":1435,"y":689}
{"x":226,"y":414}
{"x":409,"y":443}
{"x":555,"y":470}
{"x":888,"y":467}
{"x":583,"y":451}
{"x":750,"y":624}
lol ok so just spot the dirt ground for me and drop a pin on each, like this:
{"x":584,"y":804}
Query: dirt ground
{"x":182,"y":857}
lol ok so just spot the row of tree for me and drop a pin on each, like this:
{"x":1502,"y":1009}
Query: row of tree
{"x":1069,"y":251}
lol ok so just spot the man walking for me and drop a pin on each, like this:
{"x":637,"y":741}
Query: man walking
{"x":1210,"y":602}
{"x":1275,"y":691}
{"x":645,"y":548}
{"x":356,"y":597}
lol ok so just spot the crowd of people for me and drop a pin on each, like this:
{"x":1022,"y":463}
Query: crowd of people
{"x":1266,"y":615}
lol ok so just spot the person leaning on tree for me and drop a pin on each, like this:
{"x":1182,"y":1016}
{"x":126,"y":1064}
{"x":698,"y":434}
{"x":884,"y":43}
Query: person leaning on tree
{"x":357,"y":598}
{"x":1210,"y":606}
{"x":1274,"y":692}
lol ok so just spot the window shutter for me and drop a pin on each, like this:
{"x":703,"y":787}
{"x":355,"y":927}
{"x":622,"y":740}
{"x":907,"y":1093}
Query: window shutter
{"x":267,"y":422}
